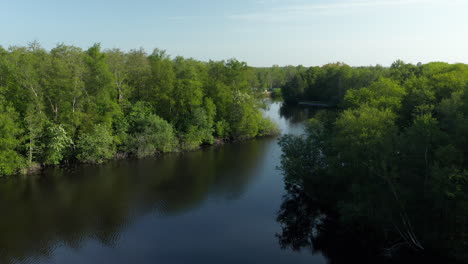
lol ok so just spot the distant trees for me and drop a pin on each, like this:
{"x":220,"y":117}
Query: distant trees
{"x":275,"y":76}
{"x":68,"y":104}
{"x":329,"y":83}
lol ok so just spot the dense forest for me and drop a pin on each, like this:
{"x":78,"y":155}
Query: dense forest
{"x":69,"y":104}
{"x":389,"y":165}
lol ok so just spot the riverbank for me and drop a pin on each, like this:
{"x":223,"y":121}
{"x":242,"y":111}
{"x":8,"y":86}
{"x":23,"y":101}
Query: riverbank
{"x":90,"y":105}
{"x":272,"y":131}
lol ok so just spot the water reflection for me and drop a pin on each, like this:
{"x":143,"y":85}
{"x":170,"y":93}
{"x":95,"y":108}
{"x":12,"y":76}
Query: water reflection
{"x":210,"y":206}
{"x":70,"y":205}
{"x":296,"y":114}
{"x":307,"y":224}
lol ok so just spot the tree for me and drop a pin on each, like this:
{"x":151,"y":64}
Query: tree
{"x":162,"y":82}
{"x":101,"y":98}
{"x":139,"y":74}
{"x":148,"y":132}
{"x":96,"y":146}
{"x":65,"y":84}
{"x":366,"y":135}
{"x":188,"y":93}
{"x":54,"y":142}
{"x":10,"y":159}
{"x":293,"y":91}
{"x":117,"y":61}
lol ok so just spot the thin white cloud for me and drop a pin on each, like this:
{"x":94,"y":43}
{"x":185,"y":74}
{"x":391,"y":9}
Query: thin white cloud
{"x":183,"y":17}
{"x":352,"y":4}
{"x":301,"y":11}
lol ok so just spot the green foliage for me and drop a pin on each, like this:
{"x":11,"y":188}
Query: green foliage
{"x":267,"y":127}
{"x":160,"y":86}
{"x":245,"y":120}
{"x":222,"y":129}
{"x":200,"y":130}
{"x":276,"y":93}
{"x":10,"y":159}
{"x":356,"y":97}
{"x":421,"y":139}
{"x":402,"y":71}
{"x":120,"y":127}
{"x":275,"y":77}
{"x":101,"y":102}
{"x":328,"y":83}
{"x":395,"y":155}
{"x":96,"y":146}
{"x":54,"y":143}
{"x":365,"y":127}
{"x":148,"y":133}
{"x":383,"y":93}
{"x":34,"y":123}
{"x":294,"y":89}
{"x":141,"y":103}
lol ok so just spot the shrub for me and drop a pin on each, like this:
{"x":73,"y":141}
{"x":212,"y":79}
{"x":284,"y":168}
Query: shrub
{"x":54,"y":143}
{"x":97,"y":146}
{"x":149,"y":133}
{"x":267,"y":127}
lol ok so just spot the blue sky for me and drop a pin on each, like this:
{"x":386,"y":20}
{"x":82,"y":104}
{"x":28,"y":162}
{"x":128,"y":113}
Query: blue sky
{"x":260,"y":32}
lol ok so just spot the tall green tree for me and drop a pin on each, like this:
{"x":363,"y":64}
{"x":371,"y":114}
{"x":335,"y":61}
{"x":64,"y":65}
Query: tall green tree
{"x":10,"y":159}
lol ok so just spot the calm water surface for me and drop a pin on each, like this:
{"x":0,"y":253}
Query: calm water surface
{"x":216,"y":205}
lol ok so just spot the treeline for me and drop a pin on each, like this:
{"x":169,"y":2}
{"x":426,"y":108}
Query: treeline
{"x":330,"y":82}
{"x":393,"y":160}
{"x":273,"y":77}
{"x":90,"y":105}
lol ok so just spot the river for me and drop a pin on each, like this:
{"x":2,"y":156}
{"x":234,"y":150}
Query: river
{"x":215,"y":205}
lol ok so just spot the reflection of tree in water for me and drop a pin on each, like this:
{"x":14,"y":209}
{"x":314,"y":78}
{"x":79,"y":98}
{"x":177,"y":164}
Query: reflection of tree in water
{"x":72,"y":205}
{"x":309,"y":223}
{"x":295,"y":113}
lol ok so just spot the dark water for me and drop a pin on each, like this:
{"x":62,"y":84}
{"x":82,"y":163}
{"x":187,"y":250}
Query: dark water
{"x":216,"y":205}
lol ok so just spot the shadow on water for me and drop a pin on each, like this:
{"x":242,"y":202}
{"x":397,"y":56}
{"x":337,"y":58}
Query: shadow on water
{"x":70,"y":205}
{"x":297,"y":114}
{"x":307,"y":224}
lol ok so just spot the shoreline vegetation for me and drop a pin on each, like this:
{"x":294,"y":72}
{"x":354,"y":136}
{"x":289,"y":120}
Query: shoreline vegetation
{"x":71,"y":105}
{"x":388,"y":166}
{"x":36,"y":168}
